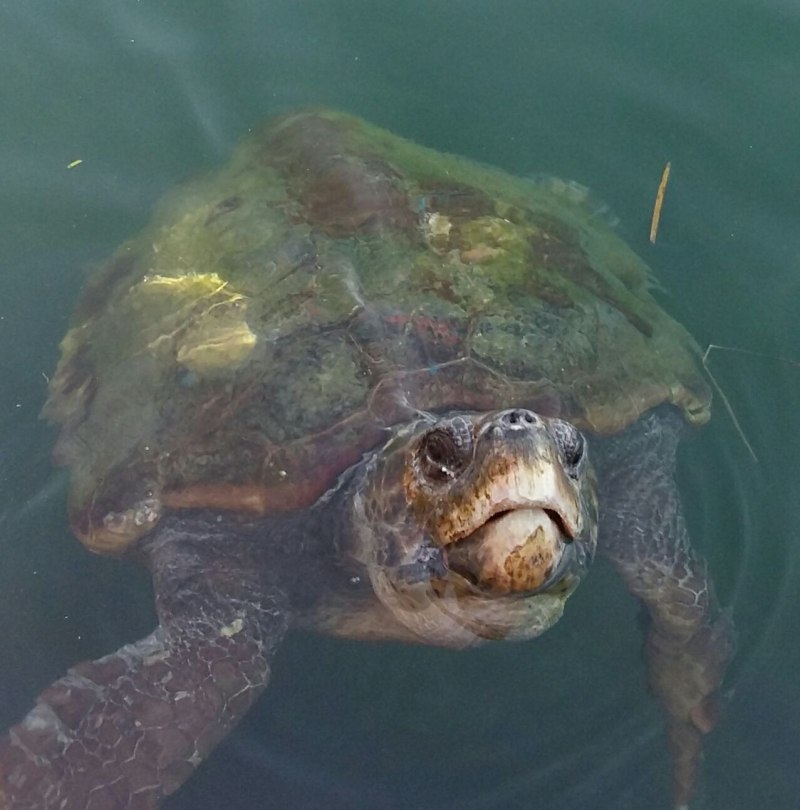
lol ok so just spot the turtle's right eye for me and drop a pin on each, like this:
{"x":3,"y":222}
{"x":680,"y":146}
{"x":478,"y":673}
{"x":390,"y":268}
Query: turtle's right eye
{"x":442,"y":454}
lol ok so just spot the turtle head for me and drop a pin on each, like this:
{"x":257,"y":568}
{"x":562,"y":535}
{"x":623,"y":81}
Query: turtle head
{"x":477,"y":525}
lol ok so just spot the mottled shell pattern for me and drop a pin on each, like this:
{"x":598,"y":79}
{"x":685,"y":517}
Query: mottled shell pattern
{"x":332,"y":279}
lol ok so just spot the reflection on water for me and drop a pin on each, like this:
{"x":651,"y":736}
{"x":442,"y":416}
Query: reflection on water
{"x":604,"y":95}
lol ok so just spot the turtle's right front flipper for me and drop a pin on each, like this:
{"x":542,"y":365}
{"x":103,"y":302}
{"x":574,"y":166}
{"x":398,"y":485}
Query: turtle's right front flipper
{"x":690,"y":641}
{"x":128,"y":729}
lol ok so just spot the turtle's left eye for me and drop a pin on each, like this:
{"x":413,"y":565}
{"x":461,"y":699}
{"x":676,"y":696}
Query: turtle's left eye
{"x":571,"y":443}
{"x":443,"y":453}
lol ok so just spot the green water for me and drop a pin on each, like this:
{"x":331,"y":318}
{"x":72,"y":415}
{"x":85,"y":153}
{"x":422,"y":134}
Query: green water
{"x":149,"y":93}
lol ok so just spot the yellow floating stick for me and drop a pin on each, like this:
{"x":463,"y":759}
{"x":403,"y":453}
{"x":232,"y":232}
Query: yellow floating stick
{"x":662,"y":187}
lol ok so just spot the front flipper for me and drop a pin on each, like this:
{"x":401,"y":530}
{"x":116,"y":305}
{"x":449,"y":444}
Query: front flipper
{"x":642,"y":532}
{"x":128,"y":729}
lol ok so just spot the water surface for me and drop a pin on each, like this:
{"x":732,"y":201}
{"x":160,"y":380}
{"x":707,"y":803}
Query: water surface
{"x":147,"y":94}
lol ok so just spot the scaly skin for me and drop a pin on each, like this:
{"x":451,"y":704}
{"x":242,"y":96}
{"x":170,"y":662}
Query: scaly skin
{"x":643,"y":533}
{"x":128,"y":729}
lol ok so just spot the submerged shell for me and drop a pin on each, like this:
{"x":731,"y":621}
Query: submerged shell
{"x":333,"y":278}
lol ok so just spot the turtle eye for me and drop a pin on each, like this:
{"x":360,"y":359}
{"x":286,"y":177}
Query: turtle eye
{"x":443,"y":452}
{"x":571,"y":443}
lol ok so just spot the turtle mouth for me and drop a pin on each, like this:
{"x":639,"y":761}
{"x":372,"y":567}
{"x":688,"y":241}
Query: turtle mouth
{"x":535,"y":490}
{"x":565,"y":526}
{"x":517,"y":550}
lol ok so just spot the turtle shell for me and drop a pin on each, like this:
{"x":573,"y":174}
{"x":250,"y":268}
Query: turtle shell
{"x":274,"y":317}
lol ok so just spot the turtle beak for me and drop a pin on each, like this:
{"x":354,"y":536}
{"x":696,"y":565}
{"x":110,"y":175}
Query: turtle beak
{"x":566,"y":574}
{"x":524,"y":511}
{"x":523,"y":551}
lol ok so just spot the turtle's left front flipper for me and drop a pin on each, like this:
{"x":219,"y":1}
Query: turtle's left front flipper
{"x":642,"y":531}
{"x":128,"y":729}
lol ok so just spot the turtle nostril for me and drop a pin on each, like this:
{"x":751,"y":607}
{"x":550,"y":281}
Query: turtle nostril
{"x":519,"y":416}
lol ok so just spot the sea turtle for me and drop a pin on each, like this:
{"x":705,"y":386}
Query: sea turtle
{"x":352,"y":384}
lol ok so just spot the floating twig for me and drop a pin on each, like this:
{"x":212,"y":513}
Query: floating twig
{"x":662,"y":187}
